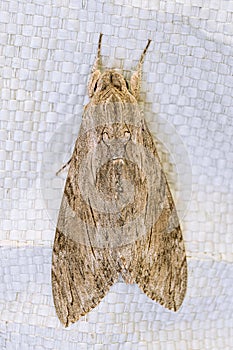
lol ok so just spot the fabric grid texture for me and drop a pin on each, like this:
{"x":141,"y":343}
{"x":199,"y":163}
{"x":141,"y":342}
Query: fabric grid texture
{"x":47,"y":49}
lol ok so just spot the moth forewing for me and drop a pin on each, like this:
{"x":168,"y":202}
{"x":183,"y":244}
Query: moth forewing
{"x":117,"y":215}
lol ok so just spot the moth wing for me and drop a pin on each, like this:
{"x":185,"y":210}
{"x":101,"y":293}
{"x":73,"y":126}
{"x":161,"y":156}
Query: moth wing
{"x":157,"y":262}
{"x":161,"y":269}
{"x":81,"y":274}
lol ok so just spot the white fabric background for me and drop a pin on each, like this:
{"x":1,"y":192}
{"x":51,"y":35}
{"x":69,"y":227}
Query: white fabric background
{"x":46,"y":52}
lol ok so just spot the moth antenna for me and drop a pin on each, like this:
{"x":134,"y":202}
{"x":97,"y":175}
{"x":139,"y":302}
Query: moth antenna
{"x":98,"y":58}
{"x":144,"y":52}
{"x":136,"y":78}
{"x":95,"y":72}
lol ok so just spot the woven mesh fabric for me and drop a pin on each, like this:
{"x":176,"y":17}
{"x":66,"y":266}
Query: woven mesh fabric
{"x":46,"y":52}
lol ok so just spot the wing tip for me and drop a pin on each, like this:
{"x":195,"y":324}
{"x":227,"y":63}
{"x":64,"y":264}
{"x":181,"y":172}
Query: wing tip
{"x":169,"y":303}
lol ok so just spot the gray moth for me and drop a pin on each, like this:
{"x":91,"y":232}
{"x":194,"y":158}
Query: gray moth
{"x":117,"y":215}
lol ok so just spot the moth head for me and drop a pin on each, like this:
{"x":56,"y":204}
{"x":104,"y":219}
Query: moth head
{"x":112,"y":79}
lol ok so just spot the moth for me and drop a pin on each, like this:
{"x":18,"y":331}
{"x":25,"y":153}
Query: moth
{"x":117,"y":215}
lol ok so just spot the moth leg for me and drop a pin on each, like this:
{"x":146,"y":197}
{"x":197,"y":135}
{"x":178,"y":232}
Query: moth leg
{"x":64,"y":166}
{"x":135,"y":81}
{"x":95,"y":72}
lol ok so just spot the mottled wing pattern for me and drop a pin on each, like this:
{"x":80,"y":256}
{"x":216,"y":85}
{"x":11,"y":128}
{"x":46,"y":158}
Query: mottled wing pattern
{"x":157,"y":262}
{"x":81,"y":274}
{"x":81,"y":277}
